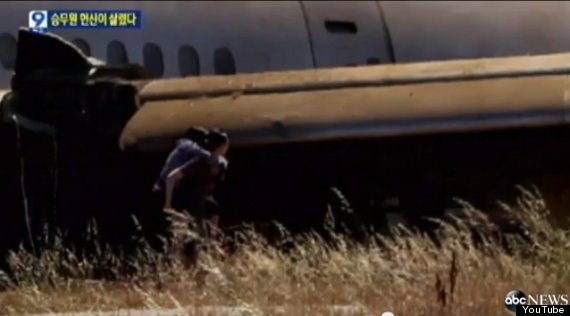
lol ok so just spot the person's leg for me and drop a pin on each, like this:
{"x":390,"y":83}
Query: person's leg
{"x":211,"y":220}
{"x":212,"y":215}
{"x":159,"y":220}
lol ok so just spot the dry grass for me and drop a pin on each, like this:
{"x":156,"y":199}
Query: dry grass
{"x":405,"y":273}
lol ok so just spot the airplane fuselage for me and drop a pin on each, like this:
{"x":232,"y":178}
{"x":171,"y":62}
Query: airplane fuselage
{"x":185,"y":38}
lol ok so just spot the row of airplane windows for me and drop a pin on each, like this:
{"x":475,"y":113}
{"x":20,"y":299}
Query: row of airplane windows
{"x":188,"y":60}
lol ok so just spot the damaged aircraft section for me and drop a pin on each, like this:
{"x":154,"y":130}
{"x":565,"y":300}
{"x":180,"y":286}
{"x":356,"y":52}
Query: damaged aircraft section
{"x":85,"y":141}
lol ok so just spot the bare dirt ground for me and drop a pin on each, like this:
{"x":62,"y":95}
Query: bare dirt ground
{"x":221,"y":311}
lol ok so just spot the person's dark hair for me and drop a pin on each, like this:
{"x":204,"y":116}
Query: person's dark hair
{"x":216,"y":138}
{"x":197,"y":134}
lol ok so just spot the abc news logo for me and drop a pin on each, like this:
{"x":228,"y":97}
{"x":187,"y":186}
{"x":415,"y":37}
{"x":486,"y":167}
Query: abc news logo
{"x":516,"y":297}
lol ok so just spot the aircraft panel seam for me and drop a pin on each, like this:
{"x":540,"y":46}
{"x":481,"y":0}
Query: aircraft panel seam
{"x":387,"y":33}
{"x":309,"y":33}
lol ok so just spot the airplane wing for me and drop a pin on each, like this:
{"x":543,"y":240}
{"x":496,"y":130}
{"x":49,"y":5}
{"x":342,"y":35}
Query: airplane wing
{"x":364,"y":102}
{"x":297,"y":106}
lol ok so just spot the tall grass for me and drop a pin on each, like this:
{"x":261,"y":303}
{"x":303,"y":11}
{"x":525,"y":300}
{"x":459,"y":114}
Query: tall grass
{"x":466,"y":270}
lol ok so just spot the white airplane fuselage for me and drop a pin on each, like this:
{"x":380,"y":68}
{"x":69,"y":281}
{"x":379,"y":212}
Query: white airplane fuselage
{"x":186,"y":38}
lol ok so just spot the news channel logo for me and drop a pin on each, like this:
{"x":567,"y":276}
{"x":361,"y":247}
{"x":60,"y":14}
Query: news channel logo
{"x":513,"y":299}
{"x":38,"y":20}
{"x":41,"y":20}
{"x":517,"y":297}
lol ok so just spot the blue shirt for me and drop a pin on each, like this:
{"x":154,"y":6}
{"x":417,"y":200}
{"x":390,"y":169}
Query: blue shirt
{"x":185,"y":151}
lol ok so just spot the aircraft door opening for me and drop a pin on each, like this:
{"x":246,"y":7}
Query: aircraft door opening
{"x":347,"y":33}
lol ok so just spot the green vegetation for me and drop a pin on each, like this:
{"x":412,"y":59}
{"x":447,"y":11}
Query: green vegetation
{"x":468,"y":272}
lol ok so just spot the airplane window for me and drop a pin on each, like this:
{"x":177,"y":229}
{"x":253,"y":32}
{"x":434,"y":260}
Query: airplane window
{"x":8,"y":47}
{"x":82,"y":45}
{"x":224,"y":63}
{"x":188,"y":61}
{"x":117,"y":54}
{"x":152,"y":59}
{"x":373,"y":61}
{"x":341,"y":27}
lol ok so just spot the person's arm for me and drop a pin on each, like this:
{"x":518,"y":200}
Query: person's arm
{"x":174,"y":177}
{"x":171,"y":180}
